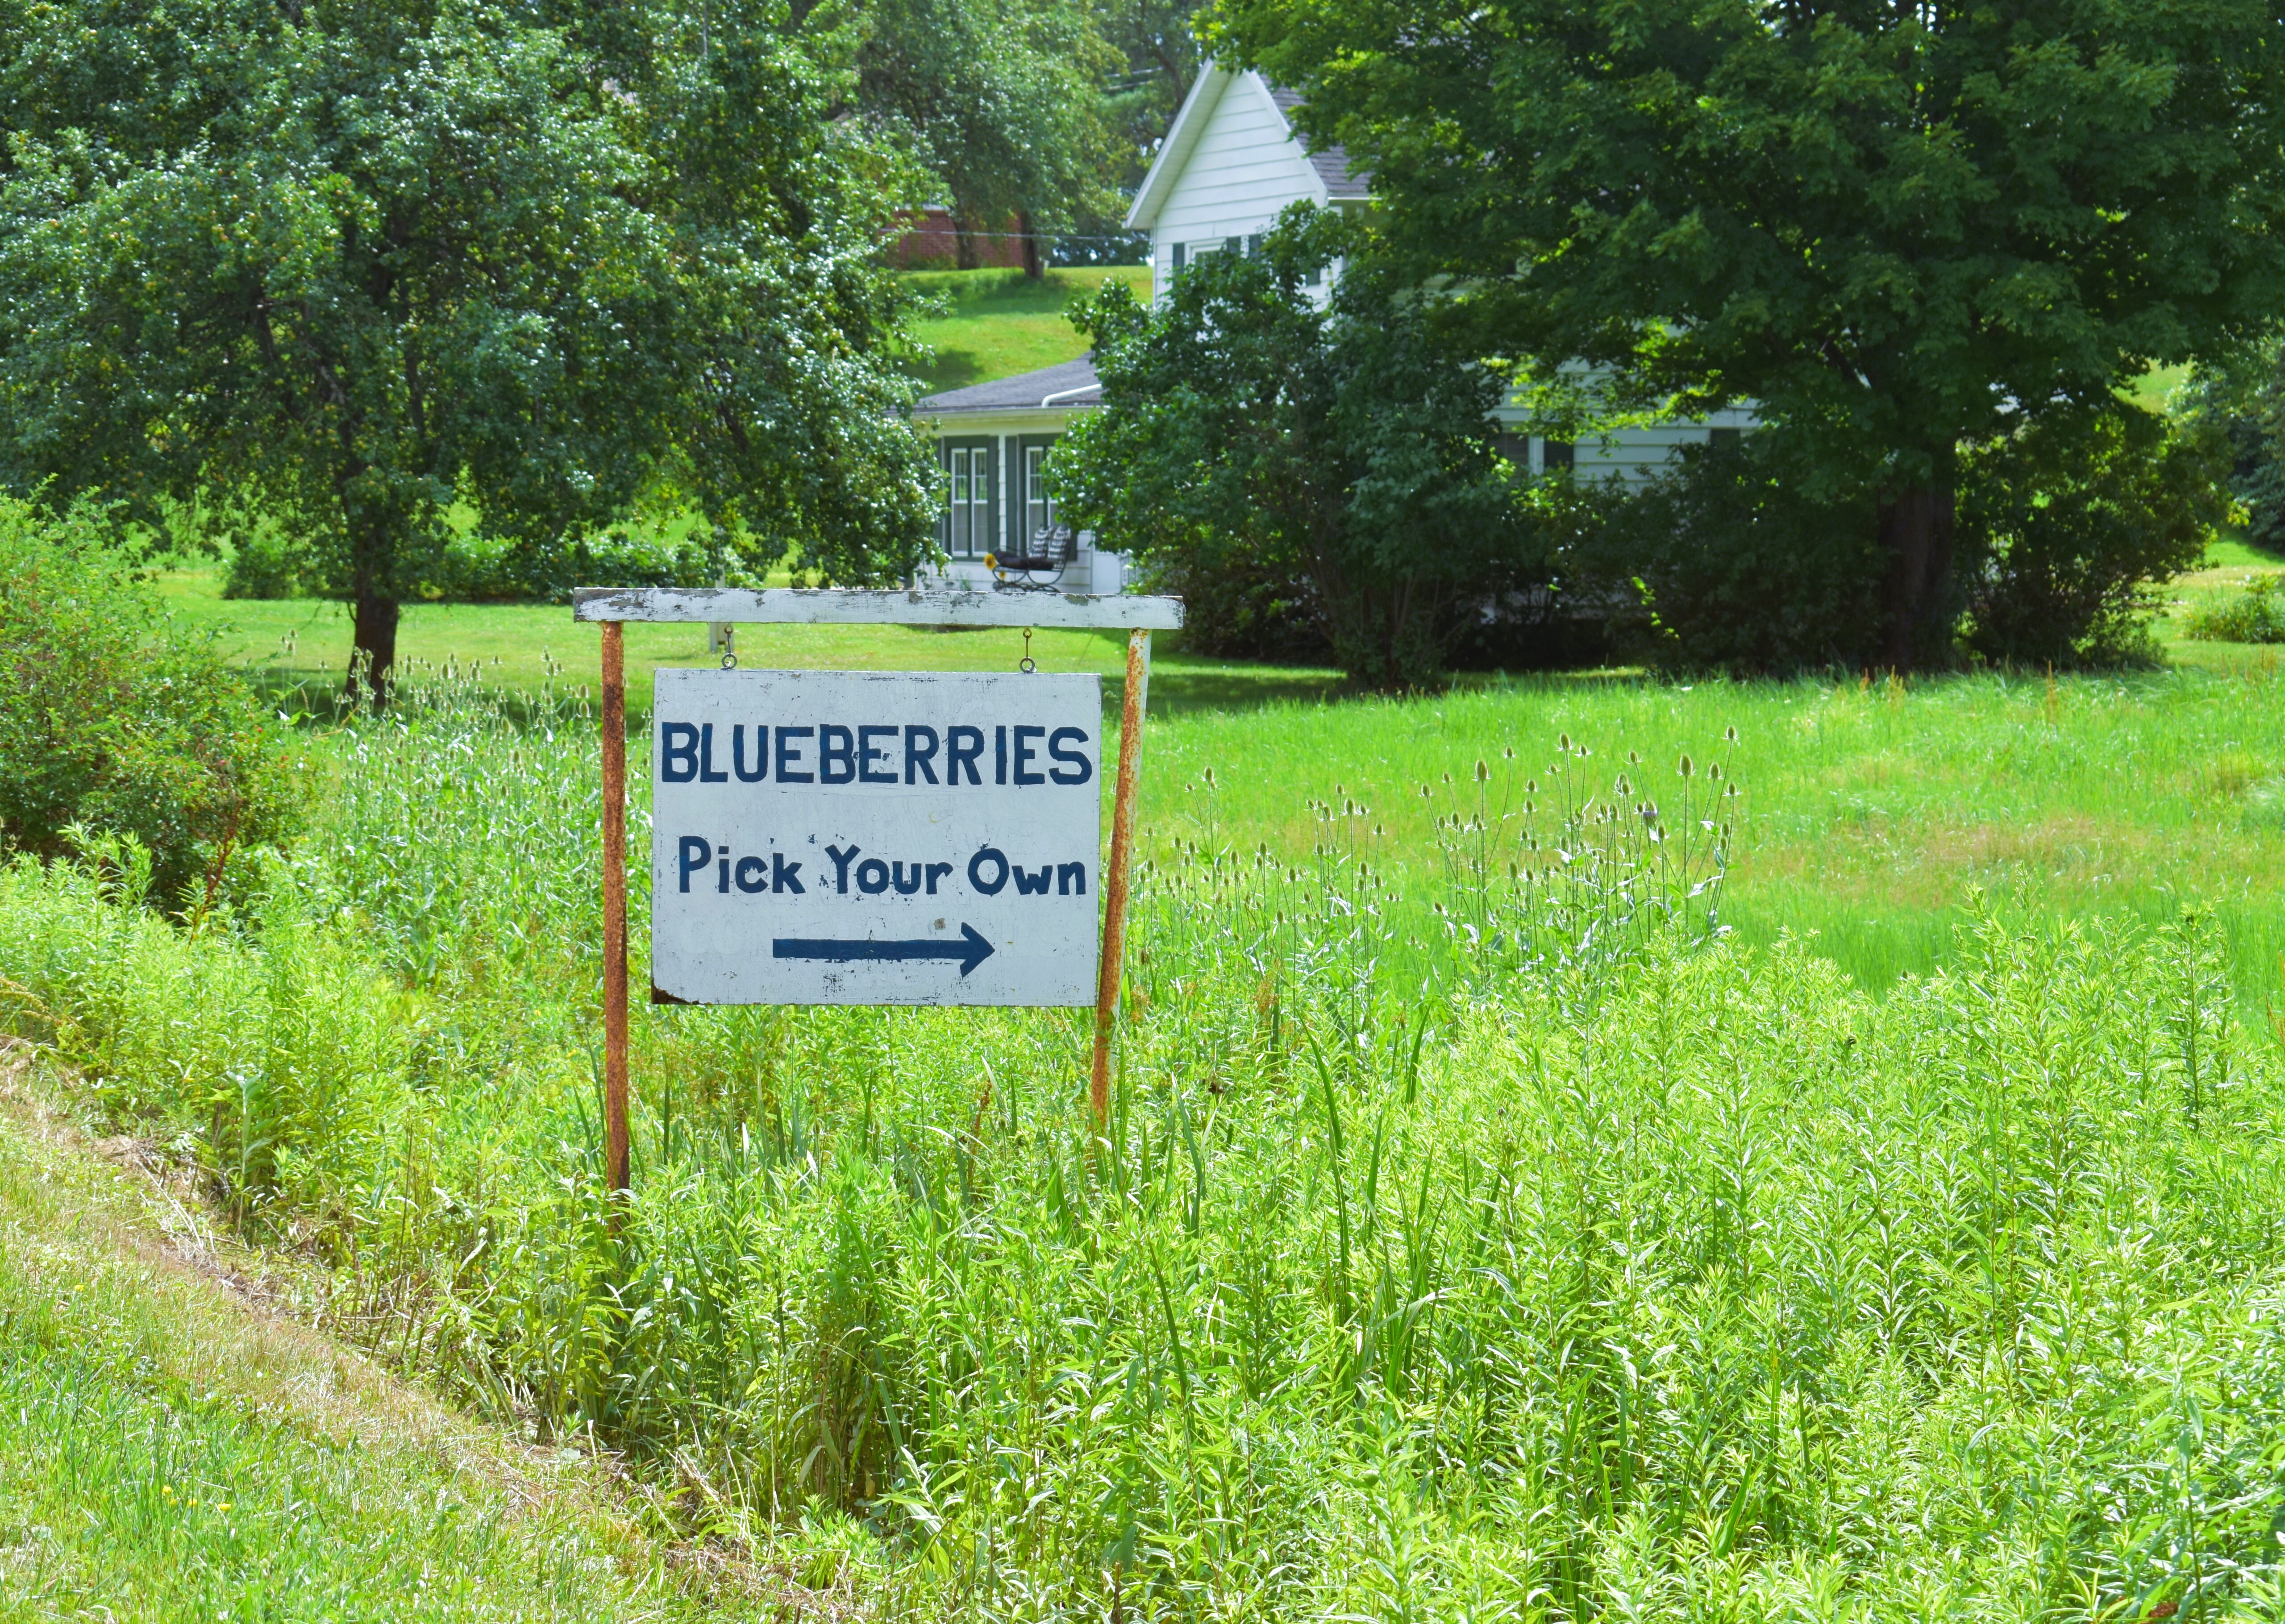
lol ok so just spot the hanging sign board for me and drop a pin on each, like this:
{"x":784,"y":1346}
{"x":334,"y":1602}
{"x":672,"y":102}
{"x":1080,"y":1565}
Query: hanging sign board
{"x":860,"y":837}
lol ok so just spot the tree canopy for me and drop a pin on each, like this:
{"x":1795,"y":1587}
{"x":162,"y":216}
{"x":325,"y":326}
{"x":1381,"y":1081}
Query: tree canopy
{"x":362,"y":263}
{"x":1898,"y":231}
{"x":1002,"y":102}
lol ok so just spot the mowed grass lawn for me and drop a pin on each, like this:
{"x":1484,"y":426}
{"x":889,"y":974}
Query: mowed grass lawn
{"x":303,"y":644}
{"x":1871,"y":815}
{"x":994,"y":324}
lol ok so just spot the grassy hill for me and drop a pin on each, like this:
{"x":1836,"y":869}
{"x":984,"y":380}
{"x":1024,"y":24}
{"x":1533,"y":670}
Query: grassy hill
{"x":179,"y":1446}
{"x":994,"y":324}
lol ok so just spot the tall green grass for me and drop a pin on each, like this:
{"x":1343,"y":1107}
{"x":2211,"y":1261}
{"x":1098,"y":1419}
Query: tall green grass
{"x":169,"y":1454}
{"x":1873,"y":815}
{"x":1485,"y":1227}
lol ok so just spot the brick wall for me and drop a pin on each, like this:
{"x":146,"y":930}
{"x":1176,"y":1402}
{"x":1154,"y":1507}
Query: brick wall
{"x":929,"y":240}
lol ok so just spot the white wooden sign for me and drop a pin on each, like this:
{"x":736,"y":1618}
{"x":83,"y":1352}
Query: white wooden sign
{"x":848,"y":837}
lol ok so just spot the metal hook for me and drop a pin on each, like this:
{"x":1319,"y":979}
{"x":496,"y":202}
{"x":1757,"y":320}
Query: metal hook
{"x":1027,"y":664}
{"x":729,"y":649}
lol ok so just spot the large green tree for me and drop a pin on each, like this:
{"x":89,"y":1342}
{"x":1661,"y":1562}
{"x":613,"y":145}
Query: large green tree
{"x":1002,"y":101}
{"x":355,"y":261}
{"x":1897,"y":229}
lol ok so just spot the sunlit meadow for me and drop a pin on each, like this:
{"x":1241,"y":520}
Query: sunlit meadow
{"x":1580,"y":1150}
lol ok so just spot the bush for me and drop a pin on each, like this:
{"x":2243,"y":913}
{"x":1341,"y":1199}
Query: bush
{"x":1743,"y":560}
{"x":1237,"y":606}
{"x":1735,"y":566}
{"x":112,"y":720}
{"x":262,"y":565}
{"x":1312,"y":469}
{"x":489,"y":569}
{"x":2065,"y":525}
{"x":2254,"y":614}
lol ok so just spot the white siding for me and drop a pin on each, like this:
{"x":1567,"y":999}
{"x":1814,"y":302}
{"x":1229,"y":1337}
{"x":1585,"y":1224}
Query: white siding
{"x":1244,"y":170}
{"x":1636,"y":454}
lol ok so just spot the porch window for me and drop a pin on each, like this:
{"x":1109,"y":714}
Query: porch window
{"x":968,"y":498}
{"x":1039,"y":508}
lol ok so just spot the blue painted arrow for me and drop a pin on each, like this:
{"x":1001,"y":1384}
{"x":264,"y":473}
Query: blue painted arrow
{"x":971,"y":950}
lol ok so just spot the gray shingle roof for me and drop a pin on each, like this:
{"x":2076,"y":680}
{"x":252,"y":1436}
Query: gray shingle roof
{"x":1069,"y":384}
{"x":1332,"y":164}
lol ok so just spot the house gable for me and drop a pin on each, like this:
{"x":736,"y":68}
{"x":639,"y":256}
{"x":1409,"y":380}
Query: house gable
{"x":1229,"y":168}
{"x":1231,"y":163}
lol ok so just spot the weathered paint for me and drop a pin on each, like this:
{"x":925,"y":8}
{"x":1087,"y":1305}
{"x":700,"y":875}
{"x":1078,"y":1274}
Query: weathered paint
{"x":911,"y":838}
{"x":956,"y":607}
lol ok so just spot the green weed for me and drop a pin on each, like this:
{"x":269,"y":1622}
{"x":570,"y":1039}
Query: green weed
{"x":1483,"y":1227}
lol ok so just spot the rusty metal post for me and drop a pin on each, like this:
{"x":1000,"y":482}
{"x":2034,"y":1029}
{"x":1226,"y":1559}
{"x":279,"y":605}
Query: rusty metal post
{"x":615,"y":912}
{"x":1114,"y":885}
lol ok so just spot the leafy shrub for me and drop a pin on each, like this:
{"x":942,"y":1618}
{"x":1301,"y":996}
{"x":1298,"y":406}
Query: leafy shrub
{"x":1286,"y":457}
{"x":481,"y":569}
{"x":262,"y":565}
{"x":1742,"y":559}
{"x":2255,"y":614}
{"x":2065,"y":525}
{"x":111,"y":719}
{"x":1238,"y":605}
{"x":1736,"y":563}
{"x":490,"y":569}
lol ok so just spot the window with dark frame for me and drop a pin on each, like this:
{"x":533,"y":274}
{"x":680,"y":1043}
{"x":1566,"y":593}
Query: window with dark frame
{"x":967,"y":497}
{"x":1039,"y":507}
{"x":1555,"y":454}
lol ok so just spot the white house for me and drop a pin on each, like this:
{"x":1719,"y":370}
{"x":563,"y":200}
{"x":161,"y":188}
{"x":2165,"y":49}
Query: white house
{"x":991,"y":442}
{"x":1230,"y":164}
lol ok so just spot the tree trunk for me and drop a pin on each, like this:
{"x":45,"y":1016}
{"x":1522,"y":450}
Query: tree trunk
{"x":1916,"y":530}
{"x":373,"y":654}
{"x":372,"y":592}
{"x":963,"y":243}
{"x":1032,"y":267}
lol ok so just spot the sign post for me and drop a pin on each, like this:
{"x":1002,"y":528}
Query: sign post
{"x":615,"y":910}
{"x":871,"y":837}
{"x":1114,"y":883}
